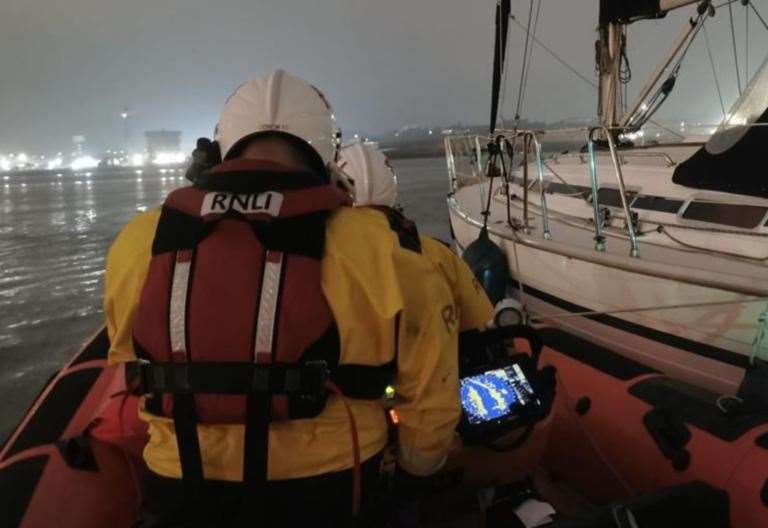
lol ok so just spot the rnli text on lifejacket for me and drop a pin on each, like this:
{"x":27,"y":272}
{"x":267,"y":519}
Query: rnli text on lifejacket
{"x":221,"y":202}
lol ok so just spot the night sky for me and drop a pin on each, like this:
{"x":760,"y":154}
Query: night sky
{"x":69,"y":67}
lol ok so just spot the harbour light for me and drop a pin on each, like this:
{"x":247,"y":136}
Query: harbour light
{"x":137,"y":160}
{"x":168,"y":158}
{"x":84,"y":162}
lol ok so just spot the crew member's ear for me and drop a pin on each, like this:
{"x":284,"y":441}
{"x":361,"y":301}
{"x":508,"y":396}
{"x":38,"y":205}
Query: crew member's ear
{"x":207,"y":154}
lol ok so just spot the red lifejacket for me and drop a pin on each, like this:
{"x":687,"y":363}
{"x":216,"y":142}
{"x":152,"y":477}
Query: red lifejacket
{"x":235,"y":277}
{"x":232,"y":324}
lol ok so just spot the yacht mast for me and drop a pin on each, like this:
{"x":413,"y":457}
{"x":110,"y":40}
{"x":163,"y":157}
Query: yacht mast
{"x":503,"y":8}
{"x":614,"y":17}
{"x":609,"y":52}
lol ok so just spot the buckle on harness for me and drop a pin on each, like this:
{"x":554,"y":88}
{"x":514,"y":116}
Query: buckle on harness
{"x":136,"y":376}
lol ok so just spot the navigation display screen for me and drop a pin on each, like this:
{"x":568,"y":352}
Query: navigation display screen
{"x":495,"y":394}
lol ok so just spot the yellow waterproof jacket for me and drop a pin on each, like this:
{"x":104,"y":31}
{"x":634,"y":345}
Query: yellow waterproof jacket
{"x":367,"y":278}
{"x":475,"y":310}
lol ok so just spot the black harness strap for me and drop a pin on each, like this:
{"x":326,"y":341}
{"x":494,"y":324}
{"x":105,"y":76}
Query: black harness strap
{"x":177,"y":230}
{"x":300,"y":235}
{"x":258,"y":412}
{"x":362,"y":382}
{"x":185,"y":422}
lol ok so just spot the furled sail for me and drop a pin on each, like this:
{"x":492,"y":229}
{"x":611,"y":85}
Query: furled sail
{"x":733,"y":160}
{"x":626,"y":11}
{"x":499,"y":53}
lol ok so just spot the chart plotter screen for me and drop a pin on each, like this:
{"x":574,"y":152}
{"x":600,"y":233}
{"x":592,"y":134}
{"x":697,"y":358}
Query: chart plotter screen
{"x":495,"y":394}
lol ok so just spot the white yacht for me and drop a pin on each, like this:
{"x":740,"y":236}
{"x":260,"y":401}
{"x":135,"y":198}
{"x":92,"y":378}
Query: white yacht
{"x":667,"y":265}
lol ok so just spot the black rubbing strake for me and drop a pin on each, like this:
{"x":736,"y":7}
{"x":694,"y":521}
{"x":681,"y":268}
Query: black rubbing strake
{"x":595,"y":356}
{"x":96,"y":349}
{"x":53,"y":416}
{"x":17,"y":486}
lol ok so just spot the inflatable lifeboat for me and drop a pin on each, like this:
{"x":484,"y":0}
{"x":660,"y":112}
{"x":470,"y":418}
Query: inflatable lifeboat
{"x":622,"y":430}
{"x":53,"y":470}
{"x":641,"y":449}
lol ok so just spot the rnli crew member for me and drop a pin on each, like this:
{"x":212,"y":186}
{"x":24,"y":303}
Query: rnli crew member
{"x":249,"y":290}
{"x":374,"y":184}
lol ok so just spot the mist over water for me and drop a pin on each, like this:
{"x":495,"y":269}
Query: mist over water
{"x":55,"y":230}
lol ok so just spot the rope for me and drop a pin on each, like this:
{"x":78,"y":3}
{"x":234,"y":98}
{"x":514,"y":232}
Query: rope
{"x":735,"y":49}
{"x":762,"y":331}
{"x":714,"y":71}
{"x":525,"y":62}
{"x":540,"y":318}
{"x":591,"y":439}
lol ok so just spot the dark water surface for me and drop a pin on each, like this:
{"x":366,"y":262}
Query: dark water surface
{"x":54,"y":233}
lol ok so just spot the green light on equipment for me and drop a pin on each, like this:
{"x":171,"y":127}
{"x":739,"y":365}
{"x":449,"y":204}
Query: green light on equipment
{"x":389,"y":392}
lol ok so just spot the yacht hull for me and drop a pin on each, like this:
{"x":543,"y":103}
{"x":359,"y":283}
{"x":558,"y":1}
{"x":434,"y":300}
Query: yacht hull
{"x":707,"y":345}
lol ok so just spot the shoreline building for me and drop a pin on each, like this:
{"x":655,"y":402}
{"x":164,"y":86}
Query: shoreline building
{"x":164,"y":146}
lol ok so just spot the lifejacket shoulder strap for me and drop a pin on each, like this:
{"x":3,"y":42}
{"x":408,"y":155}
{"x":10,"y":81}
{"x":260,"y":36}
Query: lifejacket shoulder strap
{"x":405,"y":229}
{"x":299,"y":235}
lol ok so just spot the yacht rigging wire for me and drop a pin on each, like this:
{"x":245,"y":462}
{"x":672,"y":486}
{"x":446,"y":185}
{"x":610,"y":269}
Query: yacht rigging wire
{"x":557,"y":57}
{"x":735,"y":49}
{"x":714,"y":72}
{"x":524,"y":65}
{"x":758,"y":15}
{"x":746,"y":40}
{"x":580,"y":75}
{"x":529,"y":62}
{"x":652,"y":105}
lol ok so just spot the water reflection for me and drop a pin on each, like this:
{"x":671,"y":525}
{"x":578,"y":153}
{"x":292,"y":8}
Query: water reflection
{"x":53,"y":240}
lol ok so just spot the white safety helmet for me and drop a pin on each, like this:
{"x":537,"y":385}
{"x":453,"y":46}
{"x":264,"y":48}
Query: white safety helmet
{"x":280,"y":103}
{"x":369,"y":173}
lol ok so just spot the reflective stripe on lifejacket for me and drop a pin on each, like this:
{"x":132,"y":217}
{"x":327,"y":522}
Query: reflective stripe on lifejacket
{"x":177,"y":317}
{"x":268,"y":301}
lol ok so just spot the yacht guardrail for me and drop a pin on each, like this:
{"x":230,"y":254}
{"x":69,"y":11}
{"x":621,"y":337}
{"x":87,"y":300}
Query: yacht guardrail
{"x":529,"y":138}
{"x":599,"y":238}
